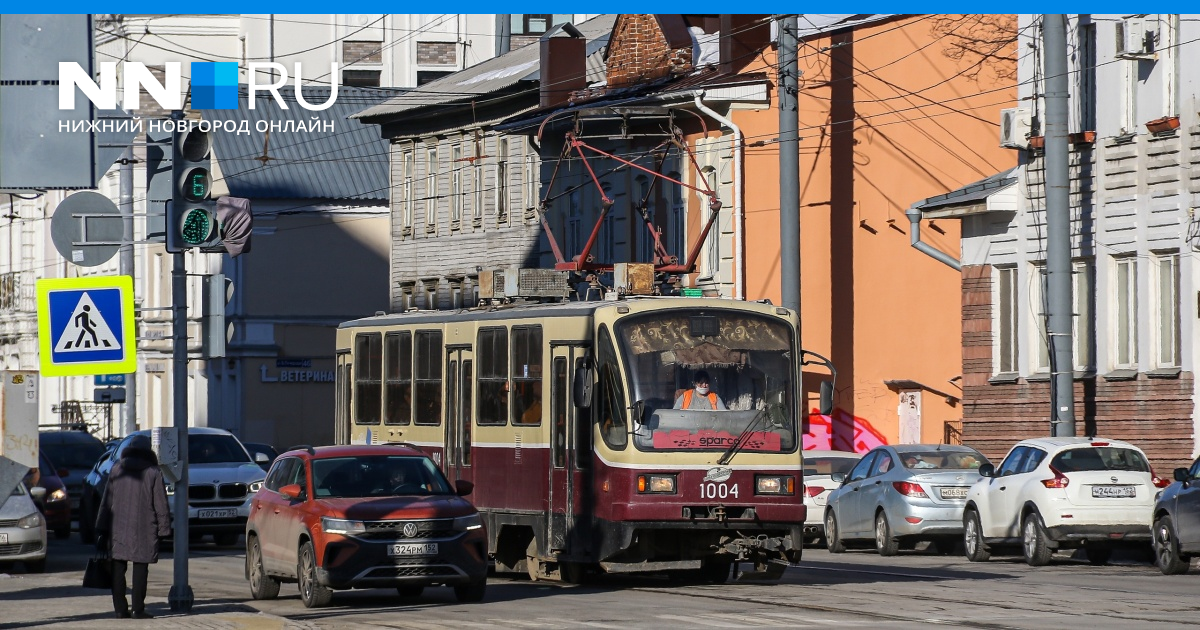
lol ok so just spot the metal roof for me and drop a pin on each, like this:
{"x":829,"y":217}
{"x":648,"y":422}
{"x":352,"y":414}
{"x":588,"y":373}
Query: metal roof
{"x":971,"y":193}
{"x":493,"y":75}
{"x":350,"y":162}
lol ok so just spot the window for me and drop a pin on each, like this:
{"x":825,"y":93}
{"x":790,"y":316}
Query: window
{"x":527,"y":375}
{"x":1168,"y":52}
{"x":574,"y":226}
{"x":883,"y":463}
{"x":429,"y":377}
{"x":532,"y":178}
{"x":406,"y":189}
{"x":368,"y":366}
{"x":280,"y":472}
{"x":610,"y":394}
{"x":1014,"y":462}
{"x":361,"y":78}
{"x":502,"y":176}
{"x":492,"y":346}
{"x":1086,"y":56}
{"x":477,"y":188}
{"x":1007,"y":318}
{"x":1166,"y":321}
{"x":859,"y":471}
{"x":398,"y":392}
{"x":1082,"y":323}
{"x":431,"y":191}
{"x":1039,"y":310}
{"x":678,"y":217}
{"x":456,"y":185}
{"x":583,"y":429}
{"x":642,"y":188}
{"x":425,"y":76}
{"x":535,"y":24}
{"x":465,"y":427}
{"x":1126,"y":317}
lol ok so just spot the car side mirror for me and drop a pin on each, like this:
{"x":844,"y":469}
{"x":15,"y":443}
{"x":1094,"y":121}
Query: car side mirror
{"x":38,"y":493}
{"x":581,"y":389}
{"x":291,"y":492}
{"x":838,"y":477}
{"x":463,"y":487}
{"x":987,"y":470}
{"x":262,"y":458}
{"x":826,"y":398}
{"x":1181,"y":474}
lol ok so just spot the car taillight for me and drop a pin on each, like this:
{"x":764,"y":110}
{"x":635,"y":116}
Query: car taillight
{"x":813,"y":491}
{"x":910,"y":489}
{"x":1159,"y":482}
{"x":1059,"y":480}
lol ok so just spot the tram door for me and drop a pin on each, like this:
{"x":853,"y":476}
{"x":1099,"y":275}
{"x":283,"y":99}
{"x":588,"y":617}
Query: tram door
{"x":341,"y":413}
{"x":456,"y":457}
{"x":563,"y":469}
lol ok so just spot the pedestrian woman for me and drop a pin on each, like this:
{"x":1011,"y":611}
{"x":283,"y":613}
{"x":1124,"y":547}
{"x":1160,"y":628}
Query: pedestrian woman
{"x":133,"y":519}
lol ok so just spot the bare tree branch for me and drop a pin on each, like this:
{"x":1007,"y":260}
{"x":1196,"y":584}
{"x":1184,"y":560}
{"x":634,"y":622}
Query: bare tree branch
{"x":983,"y":42}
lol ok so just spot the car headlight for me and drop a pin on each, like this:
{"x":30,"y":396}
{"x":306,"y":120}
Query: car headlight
{"x":774,"y":484}
{"x":57,"y":495}
{"x":468,"y":523}
{"x":256,"y":486}
{"x":656,"y":484}
{"x":31,"y":521}
{"x":342,"y":526}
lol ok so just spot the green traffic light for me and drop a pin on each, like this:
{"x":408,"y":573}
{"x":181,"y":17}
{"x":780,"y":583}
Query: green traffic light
{"x":197,"y":226}
{"x":196,"y":184}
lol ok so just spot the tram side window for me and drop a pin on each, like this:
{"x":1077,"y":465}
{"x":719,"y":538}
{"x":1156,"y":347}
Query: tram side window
{"x":398,"y":375}
{"x":368,"y":369}
{"x":527,"y":375}
{"x":465,"y":429}
{"x":428,"y":403}
{"x":610,"y":394}
{"x":492,"y":346}
{"x":583,"y":429}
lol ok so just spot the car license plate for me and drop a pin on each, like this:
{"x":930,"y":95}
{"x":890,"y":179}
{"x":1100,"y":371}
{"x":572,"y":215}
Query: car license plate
{"x":954,"y":493}
{"x":231,"y":513}
{"x":3,"y":539}
{"x":409,"y":549}
{"x":1108,"y":492}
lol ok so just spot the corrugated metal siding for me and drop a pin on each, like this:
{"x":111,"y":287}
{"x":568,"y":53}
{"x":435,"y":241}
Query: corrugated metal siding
{"x":348,"y":163}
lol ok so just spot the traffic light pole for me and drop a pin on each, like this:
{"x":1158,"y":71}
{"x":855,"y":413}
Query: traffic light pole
{"x":180,"y":597}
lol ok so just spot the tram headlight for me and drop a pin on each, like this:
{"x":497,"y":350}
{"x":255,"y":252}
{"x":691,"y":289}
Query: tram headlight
{"x":774,"y":484}
{"x":656,"y":484}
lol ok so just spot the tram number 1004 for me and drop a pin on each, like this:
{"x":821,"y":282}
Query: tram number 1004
{"x":712,"y":490}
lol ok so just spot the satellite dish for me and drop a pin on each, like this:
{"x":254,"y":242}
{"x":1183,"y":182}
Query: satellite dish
{"x":82,"y":219}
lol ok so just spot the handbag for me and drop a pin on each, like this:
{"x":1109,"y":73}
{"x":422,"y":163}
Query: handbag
{"x":98,"y":573}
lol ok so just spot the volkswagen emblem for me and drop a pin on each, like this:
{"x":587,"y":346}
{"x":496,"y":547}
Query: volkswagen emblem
{"x":410,"y":530}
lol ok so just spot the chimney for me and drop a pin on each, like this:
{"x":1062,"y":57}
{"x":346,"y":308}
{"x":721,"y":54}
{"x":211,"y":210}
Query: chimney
{"x":741,"y":36}
{"x":563,"y":64}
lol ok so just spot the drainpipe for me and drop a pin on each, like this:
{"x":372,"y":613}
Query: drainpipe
{"x":914,"y":220}
{"x":739,"y":245}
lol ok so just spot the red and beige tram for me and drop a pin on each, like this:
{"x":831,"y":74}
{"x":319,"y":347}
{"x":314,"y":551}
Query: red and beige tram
{"x":562,"y":416}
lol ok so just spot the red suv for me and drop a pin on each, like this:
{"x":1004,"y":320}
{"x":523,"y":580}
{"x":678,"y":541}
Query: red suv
{"x":339,"y":517}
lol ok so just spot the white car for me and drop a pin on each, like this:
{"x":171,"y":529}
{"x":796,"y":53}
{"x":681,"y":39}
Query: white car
{"x":818,"y":466}
{"x":23,"y":531}
{"x":1058,"y":493}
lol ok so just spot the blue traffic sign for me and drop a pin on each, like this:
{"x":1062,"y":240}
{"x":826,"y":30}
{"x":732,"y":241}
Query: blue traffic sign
{"x":85,"y":326}
{"x":108,"y":379}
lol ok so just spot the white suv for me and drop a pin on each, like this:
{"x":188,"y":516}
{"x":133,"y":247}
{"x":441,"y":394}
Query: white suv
{"x":1052,"y":493}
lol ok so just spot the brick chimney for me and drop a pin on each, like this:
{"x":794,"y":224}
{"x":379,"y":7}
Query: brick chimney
{"x":563,"y":64}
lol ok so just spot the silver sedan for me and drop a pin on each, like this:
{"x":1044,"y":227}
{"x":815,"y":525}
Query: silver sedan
{"x":899,"y":495}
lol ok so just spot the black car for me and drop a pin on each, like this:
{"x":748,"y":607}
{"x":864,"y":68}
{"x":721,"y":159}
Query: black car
{"x":74,"y":453}
{"x":1177,"y":522}
{"x":264,"y":454}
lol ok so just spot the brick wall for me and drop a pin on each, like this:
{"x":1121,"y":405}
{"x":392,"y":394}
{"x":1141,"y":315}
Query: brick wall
{"x":437,"y":53}
{"x":369,"y":52}
{"x":638,"y":52}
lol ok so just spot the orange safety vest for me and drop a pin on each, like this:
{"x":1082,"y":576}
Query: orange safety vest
{"x":687,"y":399}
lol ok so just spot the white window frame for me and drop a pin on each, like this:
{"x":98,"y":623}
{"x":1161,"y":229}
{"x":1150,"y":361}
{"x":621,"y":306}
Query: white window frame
{"x":1166,"y":324}
{"x":1083,"y":282}
{"x":532,"y":178}
{"x":406,"y":188}
{"x":1038,"y":329}
{"x":457,"y":196}
{"x":431,"y":184}
{"x":1168,"y":35}
{"x":501,"y":191}
{"x":1007,"y":302}
{"x":1125,"y":356}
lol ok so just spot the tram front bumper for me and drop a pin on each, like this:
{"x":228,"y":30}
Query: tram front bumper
{"x":698,"y":539}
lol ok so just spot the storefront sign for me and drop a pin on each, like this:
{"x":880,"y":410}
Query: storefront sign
{"x":295,"y":376}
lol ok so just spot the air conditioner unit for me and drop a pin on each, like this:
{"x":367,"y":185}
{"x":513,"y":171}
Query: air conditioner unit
{"x":1015,"y":126}
{"x":1135,"y":37}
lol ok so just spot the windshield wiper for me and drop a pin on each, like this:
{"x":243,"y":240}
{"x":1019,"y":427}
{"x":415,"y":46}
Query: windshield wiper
{"x":742,"y":437}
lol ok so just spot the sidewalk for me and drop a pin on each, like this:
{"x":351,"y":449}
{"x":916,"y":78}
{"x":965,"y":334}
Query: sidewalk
{"x":58,"y":601}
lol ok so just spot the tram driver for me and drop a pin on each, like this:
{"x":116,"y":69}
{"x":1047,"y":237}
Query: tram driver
{"x":700,"y":397}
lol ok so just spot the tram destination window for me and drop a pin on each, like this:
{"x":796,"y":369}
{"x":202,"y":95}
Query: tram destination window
{"x":368,"y":369}
{"x":398,"y":378}
{"x":428,"y":401}
{"x":492,"y":346}
{"x":527,"y":375}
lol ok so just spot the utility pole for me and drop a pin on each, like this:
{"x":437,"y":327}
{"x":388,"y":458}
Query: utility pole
{"x":1058,"y":227}
{"x":126,"y":268}
{"x":180,"y":596}
{"x":789,"y":164}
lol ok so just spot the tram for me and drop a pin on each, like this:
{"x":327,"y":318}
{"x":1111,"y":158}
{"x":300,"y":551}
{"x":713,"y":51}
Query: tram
{"x":563,"y":417}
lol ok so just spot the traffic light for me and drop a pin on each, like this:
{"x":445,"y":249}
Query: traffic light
{"x":218,"y":291}
{"x":192,"y":220}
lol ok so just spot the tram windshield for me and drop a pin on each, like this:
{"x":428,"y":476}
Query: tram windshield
{"x":702,"y":378}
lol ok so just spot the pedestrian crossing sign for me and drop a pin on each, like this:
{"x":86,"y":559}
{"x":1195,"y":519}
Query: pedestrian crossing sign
{"x":85,"y":326}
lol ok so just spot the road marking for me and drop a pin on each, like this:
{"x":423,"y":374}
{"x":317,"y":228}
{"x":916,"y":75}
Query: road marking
{"x":753,"y":620}
{"x":697,"y":620}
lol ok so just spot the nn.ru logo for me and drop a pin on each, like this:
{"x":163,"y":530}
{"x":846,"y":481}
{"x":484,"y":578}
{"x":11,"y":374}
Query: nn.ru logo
{"x":214,"y":85}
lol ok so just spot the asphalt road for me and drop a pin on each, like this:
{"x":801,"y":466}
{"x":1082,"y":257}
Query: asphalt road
{"x":857,"y":589}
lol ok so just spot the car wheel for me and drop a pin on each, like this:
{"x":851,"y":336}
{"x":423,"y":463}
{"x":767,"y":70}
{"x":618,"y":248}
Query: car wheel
{"x":409,"y":591}
{"x":63,"y":533}
{"x":35,"y":566}
{"x":471,"y":592}
{"x":1096,"y":555}
{"x":311,"y":592}
{"x":262,"y":586}
{"x":973,"y":546}
{"x":1166,"y":548}
{"x":1033,"y":541}
{"x":885,"y":543}
{"x":833,"y":538}
{"x":227,"y":539}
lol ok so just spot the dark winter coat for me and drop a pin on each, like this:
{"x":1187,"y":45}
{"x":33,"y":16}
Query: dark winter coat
{"x":133,"y":513}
